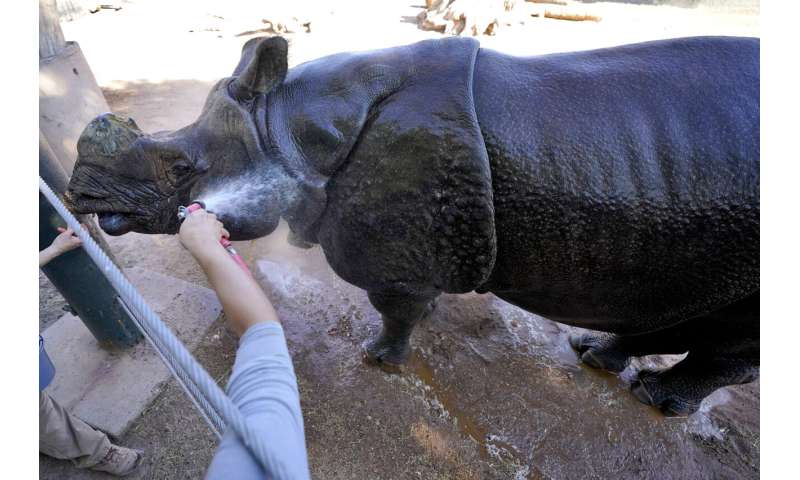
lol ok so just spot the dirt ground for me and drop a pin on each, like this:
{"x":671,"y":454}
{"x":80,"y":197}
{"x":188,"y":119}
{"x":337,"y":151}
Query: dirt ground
{"x":491,"y":391}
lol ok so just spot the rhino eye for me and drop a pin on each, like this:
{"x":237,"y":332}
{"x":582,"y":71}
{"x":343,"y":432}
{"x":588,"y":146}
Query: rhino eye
{"x":178,"y":170}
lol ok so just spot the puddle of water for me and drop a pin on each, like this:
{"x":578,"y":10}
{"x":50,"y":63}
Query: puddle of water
{"x":490,"y":446}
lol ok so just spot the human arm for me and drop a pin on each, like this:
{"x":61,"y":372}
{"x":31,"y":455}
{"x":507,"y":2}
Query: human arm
{"x":263,"y":384}
{"x":242,"y":299}
{"x":64,"y":242}
{"x":264,"y":388}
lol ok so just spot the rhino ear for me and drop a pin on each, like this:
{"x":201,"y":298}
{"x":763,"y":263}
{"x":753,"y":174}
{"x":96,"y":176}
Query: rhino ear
{"x":262,"y":67}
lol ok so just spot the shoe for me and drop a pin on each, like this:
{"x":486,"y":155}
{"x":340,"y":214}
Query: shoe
{"x":119,"y":461}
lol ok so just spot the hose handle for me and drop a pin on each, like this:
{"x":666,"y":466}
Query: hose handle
{"x":184,"y":212}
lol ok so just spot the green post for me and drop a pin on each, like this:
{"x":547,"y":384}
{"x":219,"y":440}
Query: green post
{"x":75,"y":275}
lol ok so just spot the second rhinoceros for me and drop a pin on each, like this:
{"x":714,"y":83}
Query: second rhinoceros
{"x":614,"y":189}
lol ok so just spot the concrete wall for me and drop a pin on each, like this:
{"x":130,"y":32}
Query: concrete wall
{"x":69,"y":98}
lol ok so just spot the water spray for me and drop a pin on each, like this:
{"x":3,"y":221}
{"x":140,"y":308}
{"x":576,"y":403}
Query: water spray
{"x":184,"y":212}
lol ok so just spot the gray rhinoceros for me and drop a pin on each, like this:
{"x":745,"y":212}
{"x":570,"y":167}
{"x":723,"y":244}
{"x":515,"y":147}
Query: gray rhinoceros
{"x":614,"y":189}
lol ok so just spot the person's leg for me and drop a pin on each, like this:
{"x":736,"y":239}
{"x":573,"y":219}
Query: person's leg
{"x":67,"y":437}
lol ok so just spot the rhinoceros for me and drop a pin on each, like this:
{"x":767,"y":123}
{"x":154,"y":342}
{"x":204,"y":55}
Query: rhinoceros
{"x":614,"y":189}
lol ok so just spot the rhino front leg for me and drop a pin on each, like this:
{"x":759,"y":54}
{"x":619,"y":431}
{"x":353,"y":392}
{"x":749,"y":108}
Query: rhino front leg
{"x":400,"y":313}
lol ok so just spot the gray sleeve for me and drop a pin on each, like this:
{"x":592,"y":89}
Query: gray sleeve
{"x":264,"y":387}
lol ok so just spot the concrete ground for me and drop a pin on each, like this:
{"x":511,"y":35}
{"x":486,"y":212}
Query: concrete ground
{"x":491,"y":391}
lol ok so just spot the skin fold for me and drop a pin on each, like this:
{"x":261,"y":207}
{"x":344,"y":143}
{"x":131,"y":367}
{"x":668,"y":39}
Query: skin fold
{"x":614,"y":189}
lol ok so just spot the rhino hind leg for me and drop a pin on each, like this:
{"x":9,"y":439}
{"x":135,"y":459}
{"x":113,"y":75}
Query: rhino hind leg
{"x":611,"y":352}
{"x":722,"y":353}
{"x":723,"y":350}
{"x":678,"y":391}
{"x":400,"y":313}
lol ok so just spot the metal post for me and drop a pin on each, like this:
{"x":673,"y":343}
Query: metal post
{"x":75,"y":276}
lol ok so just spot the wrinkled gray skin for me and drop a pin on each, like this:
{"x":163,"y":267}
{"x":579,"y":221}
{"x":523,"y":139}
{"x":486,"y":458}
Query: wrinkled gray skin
{"x":614,"y":189}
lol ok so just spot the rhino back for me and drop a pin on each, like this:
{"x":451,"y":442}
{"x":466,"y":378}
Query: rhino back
{"x":625,"y":180}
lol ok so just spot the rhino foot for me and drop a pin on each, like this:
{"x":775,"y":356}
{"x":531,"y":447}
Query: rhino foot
{"x":601,"y":350}
{"x":678,"y":391}
{"x":655,"y":389}
{"x":388,"y":354}
{"x":399,"y":312}
{"x":296,"y":240}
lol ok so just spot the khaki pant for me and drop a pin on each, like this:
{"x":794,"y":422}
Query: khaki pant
{"x":67,"y":437}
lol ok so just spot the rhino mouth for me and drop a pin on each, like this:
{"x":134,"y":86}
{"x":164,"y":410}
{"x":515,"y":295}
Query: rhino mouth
{"x":117,"y":215}
{"x":112,"y":219}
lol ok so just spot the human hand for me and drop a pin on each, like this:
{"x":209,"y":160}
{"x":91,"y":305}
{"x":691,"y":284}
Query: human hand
{"x":201,"y":232}
{"x":65,"y":241}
